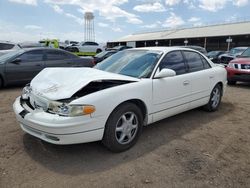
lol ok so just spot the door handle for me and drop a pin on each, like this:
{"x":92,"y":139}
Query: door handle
{"x":38,"y":65}
{"x":186,"y":82}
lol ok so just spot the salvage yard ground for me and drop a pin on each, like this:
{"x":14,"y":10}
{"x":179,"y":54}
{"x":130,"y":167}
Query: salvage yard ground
{"x":193,"y":149}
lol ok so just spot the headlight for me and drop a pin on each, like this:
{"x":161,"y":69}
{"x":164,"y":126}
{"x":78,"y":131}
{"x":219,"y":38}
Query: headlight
{"x":26,"y":92}
{"x":231,"y":65}
{"x":70,"y":110}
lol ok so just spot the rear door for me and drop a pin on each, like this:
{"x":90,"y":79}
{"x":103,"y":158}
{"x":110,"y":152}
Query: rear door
{"x":57,"y":58}
{"x":201,"y":78}
{"x":29,"y":64}
{"x":171,"y":95}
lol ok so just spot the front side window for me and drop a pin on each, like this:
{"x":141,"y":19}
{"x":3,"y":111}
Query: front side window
{"x":175,"y":61}
{"x":32,"y":56}
{"x":135,"y":63}
{"x":194,"y":61}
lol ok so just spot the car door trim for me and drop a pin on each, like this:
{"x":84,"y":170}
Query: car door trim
{"x":178,"y":105}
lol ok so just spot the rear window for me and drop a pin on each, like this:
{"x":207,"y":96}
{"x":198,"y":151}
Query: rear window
{"x":194,"y":61}
{"x":6,"y":46}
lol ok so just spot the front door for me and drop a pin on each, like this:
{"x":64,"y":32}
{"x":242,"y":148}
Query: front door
{"x":171,"y":95}
{"x":29,"y":64}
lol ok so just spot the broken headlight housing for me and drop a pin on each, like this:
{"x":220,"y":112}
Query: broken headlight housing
{"x":26,"y":92}
{"x":64,"y":109}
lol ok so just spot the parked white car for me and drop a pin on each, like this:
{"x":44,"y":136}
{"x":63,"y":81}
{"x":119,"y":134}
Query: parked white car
{"x":113,"y":101}
{"x":6,"y":47}
{"x":85,"y":48}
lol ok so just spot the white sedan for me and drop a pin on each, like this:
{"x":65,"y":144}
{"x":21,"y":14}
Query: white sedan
{"x":114,"y":100}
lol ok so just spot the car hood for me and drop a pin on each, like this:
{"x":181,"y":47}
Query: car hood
{"x":241,"y":60}
{"x":62,"y":83}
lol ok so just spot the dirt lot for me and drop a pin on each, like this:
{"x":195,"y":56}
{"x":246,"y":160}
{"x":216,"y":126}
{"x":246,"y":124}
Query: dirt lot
{"x":193,"y":149}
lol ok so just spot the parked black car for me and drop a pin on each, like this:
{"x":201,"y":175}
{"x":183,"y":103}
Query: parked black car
{"x":103,"y":55}
{"x":19,"y":67}
{"x":232,"y":54}
{"x":214,"y":55}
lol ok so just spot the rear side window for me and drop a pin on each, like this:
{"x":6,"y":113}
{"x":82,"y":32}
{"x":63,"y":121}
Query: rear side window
{"x":56,"y":55}
{"x":194,"y":61}
{"x":175,"y":61}
{"x":32,"y":56}
{"x":205,"y":63}
{"x":5,"y":46}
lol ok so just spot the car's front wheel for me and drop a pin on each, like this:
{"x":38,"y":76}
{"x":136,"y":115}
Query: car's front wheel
{"x":215,"y":99}
{"x":123,"y":127}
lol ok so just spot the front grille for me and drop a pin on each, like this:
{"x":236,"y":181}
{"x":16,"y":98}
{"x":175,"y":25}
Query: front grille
{"x":245,"y":66}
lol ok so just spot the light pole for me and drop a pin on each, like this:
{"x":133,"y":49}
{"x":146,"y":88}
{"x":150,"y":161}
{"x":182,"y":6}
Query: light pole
{"x":185,"y":42}
{"x":229,"y":40}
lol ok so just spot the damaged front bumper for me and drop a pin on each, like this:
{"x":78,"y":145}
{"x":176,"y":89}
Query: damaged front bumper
{"x":57,"y":129}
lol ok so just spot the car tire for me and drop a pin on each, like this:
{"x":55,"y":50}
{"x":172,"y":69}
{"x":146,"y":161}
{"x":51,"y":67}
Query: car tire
{"x":1,"y":82}
{"x":98,"y":51}
{"x":123,"y":127}
{"x":214,"y":100}
{"x":230,"y":82}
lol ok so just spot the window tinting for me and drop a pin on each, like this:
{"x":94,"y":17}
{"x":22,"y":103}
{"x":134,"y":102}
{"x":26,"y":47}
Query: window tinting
{"x":175,"y":61}
{"x":205,"y":63}
{"x":32,"y":56}
{"x":56,"y":55}
{"x":194,"y":61}
{"x":5,"y":46}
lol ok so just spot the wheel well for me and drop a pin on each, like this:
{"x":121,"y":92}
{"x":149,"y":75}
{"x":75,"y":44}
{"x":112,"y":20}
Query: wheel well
{"x":221,"y":85}
{"x":141,"y":106}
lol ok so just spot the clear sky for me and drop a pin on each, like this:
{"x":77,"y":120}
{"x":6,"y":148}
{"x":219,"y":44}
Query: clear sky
{"x":31,"y":20}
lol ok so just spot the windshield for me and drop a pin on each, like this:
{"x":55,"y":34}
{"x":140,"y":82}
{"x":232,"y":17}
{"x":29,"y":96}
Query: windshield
{"x":246,"y":53}
{"x":135,"y":63}
{"x":8,"y":55}
{"x":236,"y":50}
{"x":213,"y":53}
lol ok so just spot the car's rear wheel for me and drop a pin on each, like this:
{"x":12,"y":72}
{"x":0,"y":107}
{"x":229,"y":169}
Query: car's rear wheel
{"x":1,"y":82}
{"x":230,"y":82}
{"x":98,"y":51}
{"x":123,"y":127}
{"x":215,"y":99}
{"x":70,"y":49}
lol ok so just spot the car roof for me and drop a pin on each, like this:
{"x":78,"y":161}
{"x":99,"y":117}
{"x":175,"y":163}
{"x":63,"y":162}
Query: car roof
{"x":42,"y":48}
{"x":7,"y":42}
{"x":162,"y":49}
{"x":240,"y":47}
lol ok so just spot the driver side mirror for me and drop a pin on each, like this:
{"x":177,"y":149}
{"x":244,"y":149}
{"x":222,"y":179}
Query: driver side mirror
{"x":16,"y":61}
{"x":165,"y":73}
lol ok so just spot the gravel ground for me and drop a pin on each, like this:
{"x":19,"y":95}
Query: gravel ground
{"x":193,"y":149}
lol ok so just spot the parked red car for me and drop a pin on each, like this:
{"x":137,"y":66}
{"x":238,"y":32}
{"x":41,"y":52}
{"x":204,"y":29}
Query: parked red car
{"x":239,"y":68}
